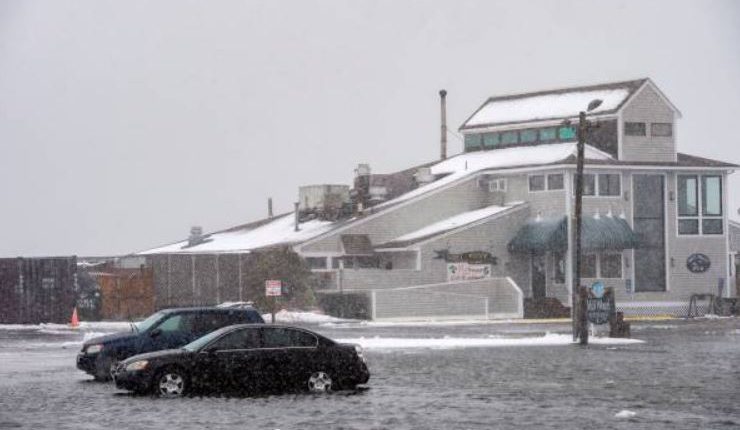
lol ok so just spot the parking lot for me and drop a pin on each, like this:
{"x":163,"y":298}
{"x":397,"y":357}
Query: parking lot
{"x":684,"y":376}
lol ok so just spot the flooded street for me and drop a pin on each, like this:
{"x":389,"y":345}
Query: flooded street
{"x":681,"y":377}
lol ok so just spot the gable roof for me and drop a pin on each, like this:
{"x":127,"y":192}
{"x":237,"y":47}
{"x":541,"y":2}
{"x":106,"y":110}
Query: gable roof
{"x":555,"y":104}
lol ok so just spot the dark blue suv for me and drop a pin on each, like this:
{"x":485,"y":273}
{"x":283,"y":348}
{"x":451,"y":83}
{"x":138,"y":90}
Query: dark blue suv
{"x":166,"y":329}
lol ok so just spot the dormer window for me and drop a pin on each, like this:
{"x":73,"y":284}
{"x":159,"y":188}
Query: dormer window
{"x":509,"y":138}
{"x":491,"y":140}
{"x":634,"y":129}
{"x":472,"y":142}
{"x":567,"y":133}
{"x":548,"y":134}
{"x":528,"y":136}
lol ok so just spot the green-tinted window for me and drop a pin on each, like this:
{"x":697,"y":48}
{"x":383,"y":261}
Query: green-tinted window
{"x":490,"y":140}
{"x":528,"y":136}
{"x":509,"y":137}
{"x":547,"y":134}
{"x":472,"y":142}
{"x":567,"y":133}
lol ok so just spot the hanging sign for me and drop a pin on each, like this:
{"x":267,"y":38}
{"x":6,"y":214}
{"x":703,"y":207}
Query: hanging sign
{"x":466,"y":271}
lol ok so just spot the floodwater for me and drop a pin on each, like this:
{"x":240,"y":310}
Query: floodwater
{"x":685,"y":376}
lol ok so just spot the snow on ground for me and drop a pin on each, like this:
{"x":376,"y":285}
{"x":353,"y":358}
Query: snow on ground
{"x":546,"y":106}
{"x":294,"y":317}
{"x":549,"y":339}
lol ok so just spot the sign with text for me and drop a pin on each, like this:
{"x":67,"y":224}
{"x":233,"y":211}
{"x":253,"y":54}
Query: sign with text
{"x":599,"y":309}
{"x":467,"y":271}
{"x":273,"y":288}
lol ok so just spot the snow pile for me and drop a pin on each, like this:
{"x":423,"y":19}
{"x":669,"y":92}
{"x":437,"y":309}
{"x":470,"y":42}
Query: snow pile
{"x":546,"y":106}
{"x":294,"y":317}
{"x":85,"y":326}
{"x":279,"y":231}
{"x":625,"y":414}
{"x":455,"y":221}
{"x":549,"y":339}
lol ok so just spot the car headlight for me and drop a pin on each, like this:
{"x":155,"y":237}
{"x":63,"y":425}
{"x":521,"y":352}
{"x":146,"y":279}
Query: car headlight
{"x":358,"y":350}
{"x":137,"y":365}
{"x":94,"y":349}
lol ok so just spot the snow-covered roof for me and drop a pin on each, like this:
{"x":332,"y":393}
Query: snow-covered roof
{"x":450,"y":223}
{"x":555,"y":104}
{"x":277,"y":232}
{"x":464,"y":164}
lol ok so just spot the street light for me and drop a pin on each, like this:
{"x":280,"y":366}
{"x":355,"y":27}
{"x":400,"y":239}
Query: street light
{"x":578,"y":310}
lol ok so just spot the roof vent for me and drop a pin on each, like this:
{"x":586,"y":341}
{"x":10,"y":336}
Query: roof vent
{"x":424,"y":176}
{"x":196,"y":235}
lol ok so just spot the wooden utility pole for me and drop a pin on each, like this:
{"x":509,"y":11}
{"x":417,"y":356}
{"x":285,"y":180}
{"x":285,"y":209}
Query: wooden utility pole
{"x":579,"y":325}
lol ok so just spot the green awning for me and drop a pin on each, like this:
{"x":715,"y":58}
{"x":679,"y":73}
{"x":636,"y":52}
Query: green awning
{"x":605,"y":232}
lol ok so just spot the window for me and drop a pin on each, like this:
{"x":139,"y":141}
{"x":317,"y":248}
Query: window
{"x":610,"y":265}
{"x":690,"y":219}
{"x":555,"y":181}
{"x":335,"y":262}
{"x":528,"y":136}
{"x":497,"y":185}
{"x":491,"y":140}
{"x":240,"y":339}
{"x":634,"y":128}
{"x":588,"y":266}
{"x":662,"y":129}
{"x":609,"y":184}
{"x":688,"y":200}
{"x":509,"y":137}
{"x":179,"y":322}
{"x":536,"y":183}
{"x":589,"y":184}
{"x":367,"y":262}
{"x":472,"y":142}
{"x":285,"y":337}
{"x":567,"y":133}
{"x":603,"y":184}
{"x":316,"y":263}
{"x":548,"y":134}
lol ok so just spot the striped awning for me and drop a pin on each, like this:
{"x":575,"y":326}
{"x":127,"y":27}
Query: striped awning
{"x":605,"y":232}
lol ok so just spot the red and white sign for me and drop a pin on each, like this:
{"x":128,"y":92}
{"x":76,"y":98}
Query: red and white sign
{"x":273,"y":288}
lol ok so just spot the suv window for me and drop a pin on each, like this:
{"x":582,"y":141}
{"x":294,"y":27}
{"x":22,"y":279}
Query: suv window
{"x":178,"y":323}
{"x":210,"y":321}
{"x":247,"y":338}
{"x":285,"y":337}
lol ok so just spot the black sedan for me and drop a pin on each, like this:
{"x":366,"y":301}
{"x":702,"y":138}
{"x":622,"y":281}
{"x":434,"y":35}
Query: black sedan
{"x":247,"y":358}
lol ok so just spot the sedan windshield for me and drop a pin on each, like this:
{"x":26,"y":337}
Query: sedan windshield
{"x":199,"y":343}
{"x":149,"y":322}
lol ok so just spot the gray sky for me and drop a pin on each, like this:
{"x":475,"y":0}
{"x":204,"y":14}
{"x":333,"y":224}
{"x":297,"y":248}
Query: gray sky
{"x":124,"y":123}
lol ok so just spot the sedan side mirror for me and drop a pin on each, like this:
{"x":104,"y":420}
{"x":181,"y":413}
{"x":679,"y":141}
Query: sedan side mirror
{"x":156,"y":332}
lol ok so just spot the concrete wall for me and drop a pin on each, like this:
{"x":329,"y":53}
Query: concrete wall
{"x":647,"y":106}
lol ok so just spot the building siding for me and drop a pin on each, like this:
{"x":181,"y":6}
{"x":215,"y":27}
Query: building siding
{"x":647,"y":106}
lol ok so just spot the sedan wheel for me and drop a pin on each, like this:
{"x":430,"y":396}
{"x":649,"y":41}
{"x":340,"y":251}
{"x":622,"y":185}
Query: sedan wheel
{"x":319,"y":382}
{"x":171,"y":383}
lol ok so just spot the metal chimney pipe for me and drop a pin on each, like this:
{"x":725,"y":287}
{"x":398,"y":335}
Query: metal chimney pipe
{"x":443,"y":136}
{"x":269,"y":207}
{"x":296,"y":216}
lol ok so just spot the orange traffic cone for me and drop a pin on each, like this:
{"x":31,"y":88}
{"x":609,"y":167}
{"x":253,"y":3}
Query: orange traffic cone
{"x":75,"y":321}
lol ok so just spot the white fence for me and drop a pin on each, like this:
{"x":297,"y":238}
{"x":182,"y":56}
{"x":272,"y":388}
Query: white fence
{"x":489,"y":298}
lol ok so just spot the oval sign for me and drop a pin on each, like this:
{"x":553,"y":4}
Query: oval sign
{"x":597,"y":289}
{"x":698,"y":263}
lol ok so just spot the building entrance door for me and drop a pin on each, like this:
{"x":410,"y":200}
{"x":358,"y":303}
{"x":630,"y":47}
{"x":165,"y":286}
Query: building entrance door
{"x":649,"y":226}
{"x":538,"y":276}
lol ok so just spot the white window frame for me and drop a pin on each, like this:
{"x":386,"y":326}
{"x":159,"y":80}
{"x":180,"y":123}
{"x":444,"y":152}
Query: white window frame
{"x":700,"y":217}
{"x":498,"y":184}
{"x":547,"y":180}
{"x":596,"y":193}
{"x":598,"y":264}
{"x":544,"y":183}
